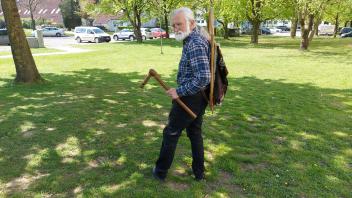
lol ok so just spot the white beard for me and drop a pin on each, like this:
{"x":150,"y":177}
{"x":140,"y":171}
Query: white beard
{"x":180,"y":36}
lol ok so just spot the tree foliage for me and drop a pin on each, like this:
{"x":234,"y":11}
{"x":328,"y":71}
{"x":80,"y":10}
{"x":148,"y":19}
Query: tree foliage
{"x":162,"y":9}
{"x":70,"y":10}
{"x":132,"y":9}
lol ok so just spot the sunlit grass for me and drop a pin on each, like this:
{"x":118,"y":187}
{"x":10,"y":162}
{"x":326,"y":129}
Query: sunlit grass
{"x":284,"y":129}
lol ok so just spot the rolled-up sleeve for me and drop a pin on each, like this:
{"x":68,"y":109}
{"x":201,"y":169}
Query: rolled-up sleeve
{"x":198,"y":56}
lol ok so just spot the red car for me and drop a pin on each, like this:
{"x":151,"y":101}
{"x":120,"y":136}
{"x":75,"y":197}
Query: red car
{"x":158,"y":32}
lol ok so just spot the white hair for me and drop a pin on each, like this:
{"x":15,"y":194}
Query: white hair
{"x":204,"y":33}
{"x":186,"y":11}
{"x":189,"y":16}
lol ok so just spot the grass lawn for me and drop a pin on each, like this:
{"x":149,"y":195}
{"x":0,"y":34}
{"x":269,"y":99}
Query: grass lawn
{"x":285,"y":129}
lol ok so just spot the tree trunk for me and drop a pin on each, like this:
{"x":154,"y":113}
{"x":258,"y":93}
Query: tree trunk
{"x":138,"y":32}
{"x":226,"y":29}
{"x":316,"y":27}
{"x":314,"y":30}
{"x":166,"y":19}
{"x":305,"y":30}
{"x":26,"y":70}
{"x":346,"y":23}
{"x":336,"y":25}
{"x":255,"y":31}
{"x":294,"y":22}
{"x":33,"y":21}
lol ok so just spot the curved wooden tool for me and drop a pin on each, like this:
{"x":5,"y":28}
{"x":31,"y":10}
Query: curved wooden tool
{"x":153,"y":73}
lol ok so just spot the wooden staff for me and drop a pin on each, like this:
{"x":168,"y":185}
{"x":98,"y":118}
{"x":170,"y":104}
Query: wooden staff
{"x":153,"y":73}
{"x":212,"y":55}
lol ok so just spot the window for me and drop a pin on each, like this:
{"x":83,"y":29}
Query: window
{"x":80,"y":30}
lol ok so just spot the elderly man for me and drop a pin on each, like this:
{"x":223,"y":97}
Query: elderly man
{"x":193,"y":76}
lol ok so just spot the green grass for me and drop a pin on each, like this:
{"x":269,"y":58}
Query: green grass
{"x":283,"y":131}
{"x":34,"y":51}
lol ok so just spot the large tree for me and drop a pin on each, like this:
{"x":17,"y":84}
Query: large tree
{"x":70,"y":10}
{"x":257,"y":11}
{"x":26,"y":70}
{"x":227,"y":11}
{"x":31,"y":6}
{"x":87,"y":11}
{"x":133,"y":10}
{"x":163,"y":9}
{"x":310,"y":12}
{"x":338,"y":12}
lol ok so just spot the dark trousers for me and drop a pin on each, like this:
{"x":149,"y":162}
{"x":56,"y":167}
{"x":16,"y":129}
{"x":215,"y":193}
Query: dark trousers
{"x":178,"y":121}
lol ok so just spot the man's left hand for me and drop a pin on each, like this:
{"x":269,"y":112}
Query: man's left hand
{"x":172,"y":93}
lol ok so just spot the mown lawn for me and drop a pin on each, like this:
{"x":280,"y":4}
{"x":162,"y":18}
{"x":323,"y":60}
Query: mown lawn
{"x":285,"y":129}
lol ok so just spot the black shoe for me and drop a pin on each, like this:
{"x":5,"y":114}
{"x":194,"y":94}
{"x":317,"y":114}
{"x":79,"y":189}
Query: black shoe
{"x":157,"y":176}
{"x":200,"y":177}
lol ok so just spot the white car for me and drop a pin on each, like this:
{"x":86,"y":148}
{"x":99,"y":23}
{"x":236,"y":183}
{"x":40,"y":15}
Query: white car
{"x":129,"y":34}
{"x":124,"y":34}
{"x":275,"y":30}
{"x":91,"y":34}
{"x":326,"y":29}
{"x":51,"y":31}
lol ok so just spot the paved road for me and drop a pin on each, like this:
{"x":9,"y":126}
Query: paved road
{"x":65,"y":44}
{"x":69,"y":45}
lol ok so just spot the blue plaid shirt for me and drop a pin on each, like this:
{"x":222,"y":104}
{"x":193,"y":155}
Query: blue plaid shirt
{"x":194,"y":70}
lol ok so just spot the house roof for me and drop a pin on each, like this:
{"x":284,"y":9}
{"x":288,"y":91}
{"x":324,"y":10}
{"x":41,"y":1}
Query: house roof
{"x":48,"y":9}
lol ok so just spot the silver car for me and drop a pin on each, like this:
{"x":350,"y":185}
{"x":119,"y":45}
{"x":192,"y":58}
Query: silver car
{"x":129,"y":34}
{"x":124,"y":34}
{"x":51,"y":31}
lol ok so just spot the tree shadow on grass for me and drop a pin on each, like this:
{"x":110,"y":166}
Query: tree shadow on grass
{"x":96,"y":133}
{"x":283,"y":139}
{"x":77,"y":129}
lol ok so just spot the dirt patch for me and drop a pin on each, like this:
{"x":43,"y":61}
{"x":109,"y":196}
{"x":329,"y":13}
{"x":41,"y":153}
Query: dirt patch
{"x":225,"y":181}
{"x":22,"y":183}
{"x":279,"y":140}
{"x":177,"y":186}
{"x":180,"y":172}
{"x":253,"y":167}
{"x":27,"y":134}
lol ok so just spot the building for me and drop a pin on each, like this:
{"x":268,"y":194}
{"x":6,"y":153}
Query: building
{"x":48,"y":11}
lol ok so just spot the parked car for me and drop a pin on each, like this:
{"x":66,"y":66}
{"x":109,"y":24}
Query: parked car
{"x":345,"y":35}
{"x":124,"y":34}
{"x":265,"y":30}
{"x":4,"y":37}
{"x":91,"y":34}
{"x":283,"y":28}
{"x":129,"y":34}
{"x":146,"y":33}
{"x":326,"y":29}
{"x":275,"y":30}
{"x":345,"y":30}
{"x":158,"y":32}
{"x":51,"y":31}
